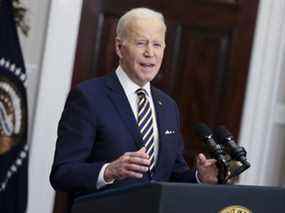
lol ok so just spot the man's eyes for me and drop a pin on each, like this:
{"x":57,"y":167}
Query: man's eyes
{"x":141,"y":43}
{"x":145,"y":43}
{"x":157,"y":45}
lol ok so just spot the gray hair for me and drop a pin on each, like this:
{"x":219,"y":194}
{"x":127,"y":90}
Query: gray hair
{"x":135,"y":14}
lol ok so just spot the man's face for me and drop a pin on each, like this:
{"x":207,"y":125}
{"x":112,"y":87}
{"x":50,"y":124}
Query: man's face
{"x":141,"y":53}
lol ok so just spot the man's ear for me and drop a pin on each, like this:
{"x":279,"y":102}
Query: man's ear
{"x":118,"y":44}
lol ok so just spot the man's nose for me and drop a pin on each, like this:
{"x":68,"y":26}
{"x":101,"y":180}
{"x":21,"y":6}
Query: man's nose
{"x":149,"y":52}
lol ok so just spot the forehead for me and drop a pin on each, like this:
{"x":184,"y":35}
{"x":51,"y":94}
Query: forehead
{"x":150,"y":28}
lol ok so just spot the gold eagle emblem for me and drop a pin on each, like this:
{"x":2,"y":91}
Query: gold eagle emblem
{"x":235,"y":209}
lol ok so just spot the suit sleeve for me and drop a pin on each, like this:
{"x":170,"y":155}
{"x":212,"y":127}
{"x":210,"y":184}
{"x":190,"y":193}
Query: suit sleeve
{"x":71,"y":170}
{"x":181,"y":171}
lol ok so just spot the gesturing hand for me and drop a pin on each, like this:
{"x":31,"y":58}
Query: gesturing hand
{"x":207,"y":169}
{"x":129,"y":165}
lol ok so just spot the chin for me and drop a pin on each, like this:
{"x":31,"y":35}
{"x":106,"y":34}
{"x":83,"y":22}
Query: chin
{"x":147,"y":76}
{"x":149,"y":79}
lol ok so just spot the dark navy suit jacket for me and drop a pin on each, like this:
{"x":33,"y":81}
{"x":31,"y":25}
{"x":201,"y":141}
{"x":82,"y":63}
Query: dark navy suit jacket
{"x":98,"y":125}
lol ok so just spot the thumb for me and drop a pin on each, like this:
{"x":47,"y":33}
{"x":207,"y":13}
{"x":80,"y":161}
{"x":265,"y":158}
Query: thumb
{"x":142,"y":150}
{"x":201,"y":159}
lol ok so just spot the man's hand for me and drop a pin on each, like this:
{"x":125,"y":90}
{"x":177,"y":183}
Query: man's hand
{"x":129,"y":165}
{"x":207,"y":169}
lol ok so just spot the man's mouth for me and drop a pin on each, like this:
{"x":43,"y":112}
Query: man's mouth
{"x":147,"y":65}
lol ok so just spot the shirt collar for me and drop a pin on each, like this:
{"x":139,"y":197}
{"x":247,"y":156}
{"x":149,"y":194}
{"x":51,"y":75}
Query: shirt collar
{"x":128,"y":85}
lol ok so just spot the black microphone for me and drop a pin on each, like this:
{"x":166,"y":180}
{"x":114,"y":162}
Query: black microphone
{"x":225,"y":138}
{"x":205,"y":133}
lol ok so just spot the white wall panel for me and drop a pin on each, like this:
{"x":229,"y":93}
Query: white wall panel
{"x":55,"y":78}
{"x":260,"y":133}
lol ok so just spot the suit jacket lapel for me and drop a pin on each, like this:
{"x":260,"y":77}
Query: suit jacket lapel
{"x":120,"y":100}
{"x":161,"y":123}
{"x":159,"y":110}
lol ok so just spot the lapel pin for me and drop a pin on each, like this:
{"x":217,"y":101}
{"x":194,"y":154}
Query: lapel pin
{"x":160,"y":103}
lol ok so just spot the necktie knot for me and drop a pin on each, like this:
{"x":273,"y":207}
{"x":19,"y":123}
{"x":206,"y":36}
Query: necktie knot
{"x":141,"y":92}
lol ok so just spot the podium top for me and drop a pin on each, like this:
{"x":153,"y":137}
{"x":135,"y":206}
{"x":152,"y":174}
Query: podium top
{"x":164,"y":197}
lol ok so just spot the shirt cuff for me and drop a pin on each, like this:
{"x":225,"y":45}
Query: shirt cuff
{"x":197,"y":177}
{"x":101,"y":181}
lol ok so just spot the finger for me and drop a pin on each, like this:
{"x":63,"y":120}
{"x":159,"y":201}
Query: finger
{"x":212,"y":161}
{"x":209,"y":162}
{"x":137,"y":168}
{"x":202,"y":160}
{"x":139,"y":161}
{"x":213,"y":180}
{"x":132,"y":174}
{"x":139,"y":154}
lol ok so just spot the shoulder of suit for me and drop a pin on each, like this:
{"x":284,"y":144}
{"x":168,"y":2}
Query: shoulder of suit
{"x":163,"y":96}
{"x":92,"y":85}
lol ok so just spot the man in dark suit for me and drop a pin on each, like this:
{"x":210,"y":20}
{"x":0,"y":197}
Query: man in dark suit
{"x":118,"y":130}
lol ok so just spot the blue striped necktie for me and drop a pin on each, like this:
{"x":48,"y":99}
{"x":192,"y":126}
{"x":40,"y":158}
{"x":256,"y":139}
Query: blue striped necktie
{"x":145,"y":124}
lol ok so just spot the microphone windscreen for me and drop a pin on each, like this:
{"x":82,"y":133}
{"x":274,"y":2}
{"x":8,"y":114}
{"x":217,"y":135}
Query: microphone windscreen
{"x":221,"y":134}
{"x":202,"y":130}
